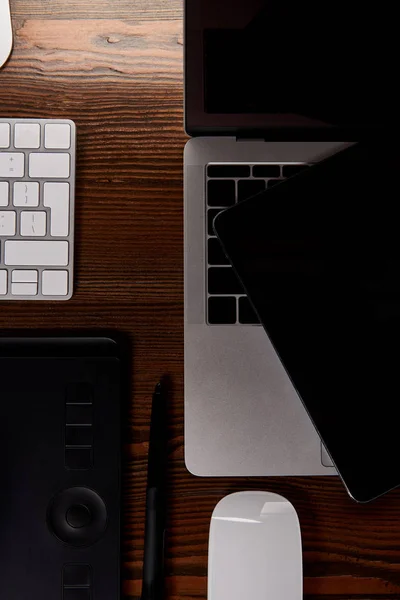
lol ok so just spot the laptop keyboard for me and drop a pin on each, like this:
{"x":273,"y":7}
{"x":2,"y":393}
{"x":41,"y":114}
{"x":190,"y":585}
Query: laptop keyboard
{"x":227,"y":184}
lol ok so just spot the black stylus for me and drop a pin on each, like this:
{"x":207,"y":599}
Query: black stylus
{"x":153,"y":561}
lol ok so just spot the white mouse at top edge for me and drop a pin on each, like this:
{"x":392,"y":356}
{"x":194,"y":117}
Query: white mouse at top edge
{"x":6,"y":38}
{"x":255,"y":549}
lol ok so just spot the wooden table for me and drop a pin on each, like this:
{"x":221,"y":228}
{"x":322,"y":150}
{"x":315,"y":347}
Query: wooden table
{"x":115,"y":67}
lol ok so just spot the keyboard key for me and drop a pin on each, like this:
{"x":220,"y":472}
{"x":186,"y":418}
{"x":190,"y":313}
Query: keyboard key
{"x":223,"y":281}
{"x":222,"y":311}
{"x":216,"y":255}
{"x":4,"y":193}
{"x":3,"y":282}
{"x":211,"y":214}
{"x":55,"y":283}
{"x":78,"y":458}
{"x":247,"y":315}
{"x":32,"y":253}
{"x":33,"y":223}
{"x":26,"y":193}
{"x":221,"y":193}
{"x":4,"y":135}
{"x":290,"y":170}
{"x":78,"y":593}
{"x":57,"y":136}
{"x":273,"y":182}
{"x":27,"y":135}
{"x":12,"y":164}
{"x":77,"y":575}
{"x":56,"y":197}
{"x":78,"y":435}
{"x":79,"y":414}
{"x":24,"y":276}
{"x":249,"y":188}
{"x":48,"y":165}
{"x":228,"y":171}
{"x":266,"y":171}
{"x":7,"y":222}
{"x":24,"y":289}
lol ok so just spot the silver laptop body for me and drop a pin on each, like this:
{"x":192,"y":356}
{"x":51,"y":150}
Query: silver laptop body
{"x":242,"y":415}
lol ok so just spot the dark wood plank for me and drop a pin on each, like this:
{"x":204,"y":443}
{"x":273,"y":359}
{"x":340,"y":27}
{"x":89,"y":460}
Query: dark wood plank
{"x":116,"y":69}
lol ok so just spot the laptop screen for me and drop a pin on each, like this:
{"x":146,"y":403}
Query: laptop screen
{"x":287,"y":65}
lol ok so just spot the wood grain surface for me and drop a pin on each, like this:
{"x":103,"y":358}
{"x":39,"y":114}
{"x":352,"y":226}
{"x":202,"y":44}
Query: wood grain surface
{"x":115,"y":67}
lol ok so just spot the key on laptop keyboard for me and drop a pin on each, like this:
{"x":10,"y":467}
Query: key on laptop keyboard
{"x":223,"y":281}
{"x":249,"y":187}
{"x":272,"y":182}
{"x":222,"y":311}
{"x":216,"y":255}
{"x":290,"y":170}
{"x":221,"y":192}
{"x":227,"y":184}
{"x":37,"y":178}
{"x":266,"y":171}
{"x":247,"y":316}
{"x":211,"y":214}
{"x":228,"y":170}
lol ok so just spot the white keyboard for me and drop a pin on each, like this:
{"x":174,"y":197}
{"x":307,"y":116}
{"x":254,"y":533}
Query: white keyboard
{"x":37,"y":200}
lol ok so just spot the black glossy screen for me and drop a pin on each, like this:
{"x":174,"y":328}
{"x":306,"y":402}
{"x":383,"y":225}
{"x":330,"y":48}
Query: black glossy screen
{"x":319,"y":256}
{"x":272,"y":63}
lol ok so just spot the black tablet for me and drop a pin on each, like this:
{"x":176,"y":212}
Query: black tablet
{"x":319,"y":257}
{"x":61,"y":399}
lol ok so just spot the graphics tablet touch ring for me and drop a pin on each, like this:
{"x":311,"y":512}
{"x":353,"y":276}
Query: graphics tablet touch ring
{"x":77,"y":516}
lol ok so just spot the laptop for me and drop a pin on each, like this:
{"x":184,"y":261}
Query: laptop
{"x":268,"y":91}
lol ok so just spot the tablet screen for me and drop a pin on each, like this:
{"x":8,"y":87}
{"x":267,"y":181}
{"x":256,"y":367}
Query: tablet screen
{"x":319,"y":256}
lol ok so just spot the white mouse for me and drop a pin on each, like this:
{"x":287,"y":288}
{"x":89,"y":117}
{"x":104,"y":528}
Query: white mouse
{"x":6,"y":38}
{"x":255,"y":549}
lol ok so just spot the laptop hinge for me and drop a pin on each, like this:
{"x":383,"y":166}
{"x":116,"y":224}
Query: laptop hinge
{"x":250,"y":139}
